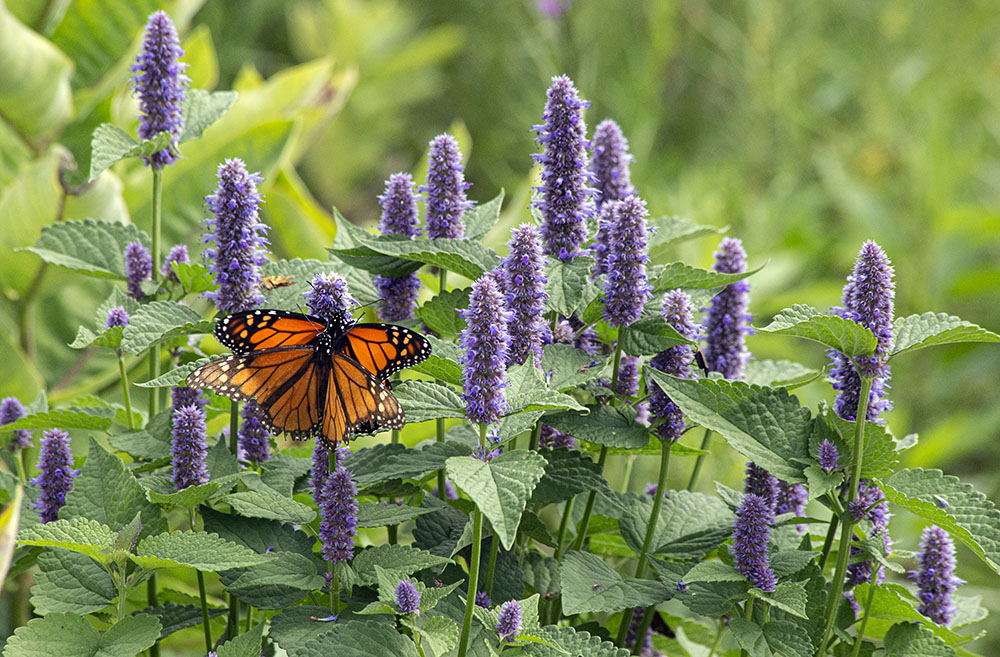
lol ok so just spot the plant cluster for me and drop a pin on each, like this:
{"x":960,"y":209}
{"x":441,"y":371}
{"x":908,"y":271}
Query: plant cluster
{"x":502,"y":532}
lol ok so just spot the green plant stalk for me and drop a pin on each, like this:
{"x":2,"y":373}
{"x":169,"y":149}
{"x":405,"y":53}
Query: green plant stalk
{"x":204,"y":612}
{"x":122,"y":592}
{"x":847,"y":530}
{"x":647,"y":541}
{"x":563,"y":525}
{"x":828,"y":541}
{"x":477,"y":539}
{"x":334,"y":591}
{"x":154,"y":371}
{"x":154,"y":352}
{"x":700,"y":460}
{"x":392,"y":534}
{"x":491,"y":563}
{"x":715,"y":642}
{"x":234,"y":430}
{"x":394,"y":436}
{"x":152,"y":600}
{"x":439,"y":423}
{"x":249,"y":621}
{"x":19,"y":463}
{"x":868,"y":611}
{"x":601,"y":458}
{"x":642,"y":629}
{"x":536,"y":433}
{"x":233,"y":623}
{"x":748,"y":615}
{"x":125,"y":392}
{"x":627,"y":474}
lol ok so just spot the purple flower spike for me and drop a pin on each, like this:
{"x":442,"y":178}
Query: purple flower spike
{"x":509,"y":620}
{"x":319,"y":472}
{"x":11,"y":409}
{"x":117,"y":317}
{"x":493,"y":443}
{"x":330,"y":299}
{"x":485,"y":341}
{"x":188,"y":447}
{"x":727,"y":323}
{"x":549,"y":437}
{"x":868,"y":300}
{"x":610,"y":163}
{"x":240,"y":238}
{"x":675,"y":361}
{"x":936,"y":579}
{"x":55,"y":474}
{"x":399,"y":217}
{"x":339,"y":512}
{"x":445,"y":189}
{"x":253,"y":436}
{"x":862,"y":507}
{"x":751,"y":530}
{"x":160,"y":84}
{"x":138,"y":268}
{"x":565,"y":193}
{"x":483,"y":600}
{"x":628,"y":377}
{"x":602,"y":241}
{"x":181,"y":396}
{"x":627,"y":287}
{"x":179,"y":254}
{"x":524,"y":280}
{"x":828,"y":456}
{"x":760,"y":482}
{"x":791,"y":498}
{"x":407,"y":598}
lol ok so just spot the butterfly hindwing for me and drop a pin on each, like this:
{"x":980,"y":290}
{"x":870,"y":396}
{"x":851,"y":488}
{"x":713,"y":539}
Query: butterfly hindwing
{"x":267,"y":329}
{"x":384,"y":349}
{"x":357,"y":402}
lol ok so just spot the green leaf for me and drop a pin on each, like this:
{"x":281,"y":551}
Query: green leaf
{"x":843,"y":335}
{"x":200,"y":550}
{"x":969,"y":516}
{"x":400,"y":559}
{"x":111,"y":144}
{"x":195,"y":279}
{"x":187,"y":498}
{"x":713,"y":571}
{"x":913,"y":640}
{"x":302,"y":273}
{"x":444,"y":370}
{"x":613,"y":426}
{"x":570,"y":366}
{"x":109,"y":338}
{"x":569,"y":641}
{"x":95,"y":248}
{"x":440,"y":633}
{"x":480,"y":219}
{"x":526,"y":391}
{"x":690,"y":524}
{"x":541,"y":573}
{"x":679,"y":275}
{"x":440,"y":312}
{"x":568,"y":472}
{"x":790,"y":597}
{"x":69,"y":635}
{"x":158,"y":321}
{"x":750,"y":637}
{"x":108,"y":493}
{"x":779,"y":374}
{"x":70,"y":582}
{"x":672,"y":230}
{"x":246,"y":644}
{"x":569,"y":286}
{"x":650,"y":336}
{"x":383,"y":514}
{"x":80,"y":535}
{"x":929,"y":329}
{"x":176,"y":617}
{"x":766,"y":425}
{"x":203,"y":108}
{"x":176,"y":376}
{"x":256,"y":534}
{"x":35,"y":94}
{"x":499,"y":488}
{"x":881,"y":456}
{"x":424,"y":400}
{"x":820,"y":482}
{"x":787,"y":639}
{"x":92,"y":418}
{"x":268,"y":504}
{"x":591,"y":585}
{"x":358,"y":639}
{"x":893,"y":604}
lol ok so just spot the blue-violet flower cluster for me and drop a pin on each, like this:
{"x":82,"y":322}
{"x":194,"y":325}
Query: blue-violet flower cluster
{"x":399,"y":217}
{"x":727,"y":323}
{"x":524,"y":280}
{"x":117,"y":317}
{"x":626,"y":287}
{"x":509,"y":620}
{"x":407,"y":598}
{"x":55,"y":474}
{"x":138,"y":268}
{"x":330,"y":299}
{"x":189,"y":448}
{"x":751,"y":530}
{"x":178,"y":254}
{"x":675,"y":361}
{"x":485,"y":340}
{"x":253,"y":436}
{"x":936,"y":581}
{"x":11,"y":409}
{"x":339,"y":513}
{"x":610,"y":165}
{"x":444,"y":193}
{"x":160,"y":84}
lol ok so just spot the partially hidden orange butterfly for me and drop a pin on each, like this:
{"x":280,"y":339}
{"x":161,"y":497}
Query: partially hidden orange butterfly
{"x":312,"y":377}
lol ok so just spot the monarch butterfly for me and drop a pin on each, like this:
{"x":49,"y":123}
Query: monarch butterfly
{"x":311,"y":376}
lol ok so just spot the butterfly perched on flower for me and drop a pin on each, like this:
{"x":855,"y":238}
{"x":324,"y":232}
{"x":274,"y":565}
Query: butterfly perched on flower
{"x":312,"y":376}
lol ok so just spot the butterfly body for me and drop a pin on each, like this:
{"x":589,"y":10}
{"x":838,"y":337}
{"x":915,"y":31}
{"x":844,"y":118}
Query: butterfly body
{"x":311,"y":376}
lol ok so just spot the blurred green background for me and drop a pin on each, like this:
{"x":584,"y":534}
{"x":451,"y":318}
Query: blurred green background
{"x":806,"y":128}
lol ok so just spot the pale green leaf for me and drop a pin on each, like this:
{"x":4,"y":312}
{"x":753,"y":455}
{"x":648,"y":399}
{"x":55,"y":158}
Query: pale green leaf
{"x":919,"y":331}
{"x":200,"y":550}
{"x":81,"y":535}
{"x":843,"y":335}
{"x":591,"y":585}
{"x":70,"y":635}
{"x":158,"y":321}
{"x":95,"y":248}
{"x":111,"y":144}
{"x":203,"y":108}
{"x":424,"y":400}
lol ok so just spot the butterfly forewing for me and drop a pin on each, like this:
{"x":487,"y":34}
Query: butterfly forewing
{"x":384,"y":349}
{"x":267,"y":329}
{"x":357,"y":402}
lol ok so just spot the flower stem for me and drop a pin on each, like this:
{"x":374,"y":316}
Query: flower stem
{"x":536,"y":432}
{"x":204,"y":612}
{"x":442,"y":494}
{"x":748,"y":615}
{"x":868,"y":608}
{"x":19,"y":463}
{"x":847,"y":530}
{"x":563,"y":525}
{"x":477,"y":539}
{"x":828,"y":541}
{"x":234,"y":430}
{"x":491,"y":564}
{"x":152,"y":600}
{"x":647,"y":541}
{"x":394,"y":436}
{"x":154,"y":352}
{"x":125,"y":392}
{"x":700,"y":460}
{"x":233,"y":624}
{"x":591,"y":500}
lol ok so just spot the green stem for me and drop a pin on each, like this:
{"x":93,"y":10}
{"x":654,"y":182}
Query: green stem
{"x":491,"y":564}
{"x":477,"y":540}
{"x":828,"y":541}
{"x":334,"y":591}
{"x":440,"y":473}
{"x":152,"y":599}
{"x":627,"y":475}
{"x":233,"y":624}
{"x":19,"y":463}
{"x":698,"y":462}
{"x":847,"y":530}
{"x":536,"y":432}
{"x":394,"y":436}
{"x":122,"y":593}
{"x":204,"y":611}
{"x":868,"y":609}
{"x":642,"y":629}
{"x":715,"y":642}
{"x":563,"y":525}
{"x":591,"y":500}
{"x":392,"y":534}
{"x":647,"y":541}
{"x":442,"y":280}
{"x":249,"y":622}
{"x":154,"y":371}
{"x":748,"y":608}
{"x":125,"y":392}
{"x":157,"y":218}
{"x":614,"y":371}
{"x":234,"y":432}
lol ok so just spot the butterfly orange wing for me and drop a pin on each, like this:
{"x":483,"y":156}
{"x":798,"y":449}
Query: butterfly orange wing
{"x":357,"y":402}
{"x":384,"y":349}
{"x":267,"y":329}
